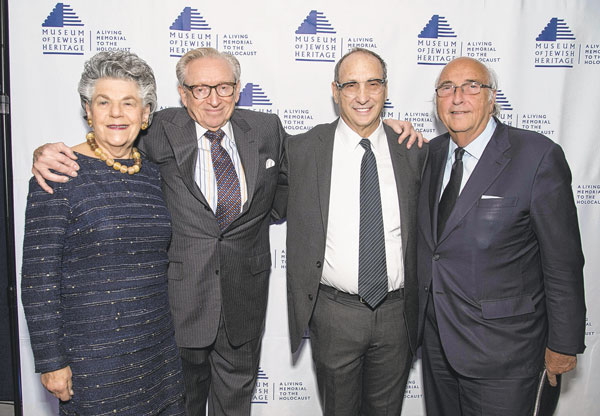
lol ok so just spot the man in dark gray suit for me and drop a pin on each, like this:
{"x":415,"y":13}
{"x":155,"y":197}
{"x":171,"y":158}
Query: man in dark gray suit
{"x":499,"y":256}
{"x":219,"y":264}
{"x":362,"y":343}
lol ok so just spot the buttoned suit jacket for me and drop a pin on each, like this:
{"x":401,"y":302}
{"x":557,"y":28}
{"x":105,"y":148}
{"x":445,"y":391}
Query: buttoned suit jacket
{"x":506,"y":273}
{"x":212,"y":270}
{"x":307,"y":171}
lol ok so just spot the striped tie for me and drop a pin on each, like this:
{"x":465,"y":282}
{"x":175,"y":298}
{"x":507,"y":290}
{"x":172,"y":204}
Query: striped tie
{"x":228,"y":185}
{"x":372,"y":268}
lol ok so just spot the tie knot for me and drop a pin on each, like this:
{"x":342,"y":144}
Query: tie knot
{"x":215,"y":135}
{"x":366,"y":144}
{"x":458,"y":153}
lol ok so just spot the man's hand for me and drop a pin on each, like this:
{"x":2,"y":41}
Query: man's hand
{"x":557,"y":363}
{"x":56,"y":156}
{"x":405,"y":129}
{"x":59,"y":383}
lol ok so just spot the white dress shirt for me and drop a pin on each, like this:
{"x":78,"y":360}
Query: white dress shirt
{"x":204,"y":174}
{"x":341,"y":253}
{"x":473,"y":152}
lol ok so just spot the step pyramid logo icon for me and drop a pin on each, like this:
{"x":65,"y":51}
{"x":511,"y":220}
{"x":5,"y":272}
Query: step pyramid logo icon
{"x":189,"y":19}
{"x":437,"y":27}
{"x":251,"y":95}
{"x":556,"y":29}
{"x":315,"y":22}
{"x":503,"y":101}
{"x":61,"y":16}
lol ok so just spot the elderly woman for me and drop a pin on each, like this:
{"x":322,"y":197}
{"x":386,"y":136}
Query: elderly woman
{"x":94,"y":284}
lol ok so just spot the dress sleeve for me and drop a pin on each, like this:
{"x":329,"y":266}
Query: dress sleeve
{"x":46,"y":219}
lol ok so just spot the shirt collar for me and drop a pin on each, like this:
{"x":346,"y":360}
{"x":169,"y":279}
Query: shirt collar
{"x":476,"y":147}
{"x":352,"y":139}
{"x":227,"y":129}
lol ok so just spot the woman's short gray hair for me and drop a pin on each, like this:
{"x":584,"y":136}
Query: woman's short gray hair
{"x":118,"y":65}
{"x":207,"y":53}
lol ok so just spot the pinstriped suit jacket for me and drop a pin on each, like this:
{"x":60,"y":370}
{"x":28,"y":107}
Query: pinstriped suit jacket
{"x":211,"y":270}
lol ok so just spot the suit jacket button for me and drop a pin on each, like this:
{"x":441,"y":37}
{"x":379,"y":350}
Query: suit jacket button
{"x":310,"y":296}
{"x":319,"y":264}
{"x":426,"y":288}
{"x":436,"y":257}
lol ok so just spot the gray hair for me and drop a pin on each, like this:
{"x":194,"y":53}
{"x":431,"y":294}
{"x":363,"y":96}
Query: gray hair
{"x":207,"y":53}
{"x":336,"y":74}
{"x":118,"y":65}
{"x":492,"y":81}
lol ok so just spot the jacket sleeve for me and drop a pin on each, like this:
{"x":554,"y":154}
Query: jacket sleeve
{"x":554,"y":219}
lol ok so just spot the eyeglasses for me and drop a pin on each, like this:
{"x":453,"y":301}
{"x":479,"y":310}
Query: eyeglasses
{"x":468,"y":88}
{"x":200,"y":92}
{"x":352,"y":88}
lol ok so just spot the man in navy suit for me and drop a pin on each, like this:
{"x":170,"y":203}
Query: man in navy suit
{"x":500,"y":264}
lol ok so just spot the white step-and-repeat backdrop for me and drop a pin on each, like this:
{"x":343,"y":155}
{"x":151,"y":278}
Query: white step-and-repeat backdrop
{"x":546,"y":53}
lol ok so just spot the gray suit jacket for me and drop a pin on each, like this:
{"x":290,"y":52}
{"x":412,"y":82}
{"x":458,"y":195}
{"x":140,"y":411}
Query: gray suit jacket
{"x":212,"y":271}
{"x":507,"y":271}
{"x":307,"y":170}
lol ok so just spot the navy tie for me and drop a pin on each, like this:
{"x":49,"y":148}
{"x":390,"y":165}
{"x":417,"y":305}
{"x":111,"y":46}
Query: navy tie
{"x":372,"y":268}
{"x":228,"y":186}
{"x":451,"y":191}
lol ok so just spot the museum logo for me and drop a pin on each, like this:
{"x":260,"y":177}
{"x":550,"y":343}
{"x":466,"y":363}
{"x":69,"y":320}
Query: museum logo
{"x":555,"y":46}
{"x":436,"y":44}
{"x":261,"y":389}
{"x":315,"y":39}
{"x":63,"y":32}
{"x":189,"y":31}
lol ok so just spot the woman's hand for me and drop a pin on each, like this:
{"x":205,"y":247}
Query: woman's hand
{"x":59,"y":383}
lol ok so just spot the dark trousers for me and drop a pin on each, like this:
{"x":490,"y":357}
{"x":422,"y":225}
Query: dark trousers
{"x":448,"y":393}
{"x":221,"y":375}
{"x":361,"y":356}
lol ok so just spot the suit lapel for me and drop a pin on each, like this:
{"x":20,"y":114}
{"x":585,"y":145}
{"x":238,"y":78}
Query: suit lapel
{"x":247,"y":147}
{"x":493,"y":161}
{"x":438,"y":156}
{"x":401,"y":175}
{"x":181,"y":134}
{"x":324,"y":158}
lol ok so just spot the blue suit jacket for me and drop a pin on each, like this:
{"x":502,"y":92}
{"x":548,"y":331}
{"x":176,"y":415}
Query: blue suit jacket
{"x":507,"y":273}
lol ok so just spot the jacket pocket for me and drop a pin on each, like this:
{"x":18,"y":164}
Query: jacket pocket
{"x":260,"y":263}
{"x":503,"y":308}
{"x":498,"y":202}
{"x":175,"y":271}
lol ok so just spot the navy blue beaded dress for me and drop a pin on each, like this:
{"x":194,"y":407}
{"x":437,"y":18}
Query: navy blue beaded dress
{"x":94,"y":290}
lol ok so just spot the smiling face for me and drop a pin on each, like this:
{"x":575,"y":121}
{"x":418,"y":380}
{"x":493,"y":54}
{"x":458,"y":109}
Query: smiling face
{"x":117,"y":113}
{"x":361,"y":112}
{"x":213,"y":111}
{"x":465,"y":116}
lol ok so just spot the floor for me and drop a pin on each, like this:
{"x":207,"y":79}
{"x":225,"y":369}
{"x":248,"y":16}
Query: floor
{"x":6,"y":409}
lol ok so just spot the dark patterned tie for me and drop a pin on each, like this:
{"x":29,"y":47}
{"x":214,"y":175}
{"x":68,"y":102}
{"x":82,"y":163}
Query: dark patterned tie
{"x":228,"y":186}
{"x":372,"y":268}
{"x":451,"y":191}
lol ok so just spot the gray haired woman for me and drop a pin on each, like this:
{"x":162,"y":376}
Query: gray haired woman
{"x":94,"y":284}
